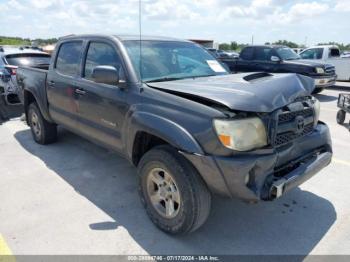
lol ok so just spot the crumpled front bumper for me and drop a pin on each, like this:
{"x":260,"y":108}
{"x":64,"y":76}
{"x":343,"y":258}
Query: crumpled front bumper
{"x":269,"y":173}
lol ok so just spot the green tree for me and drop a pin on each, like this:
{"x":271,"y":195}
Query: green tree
{"x":234,"y":45}
{"x":341,"y":46}
{"x":224,"y":46}
{"x":286,"y":43}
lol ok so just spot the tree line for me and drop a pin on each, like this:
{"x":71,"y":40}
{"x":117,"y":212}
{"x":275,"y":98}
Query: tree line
{"x":5,"y":40}
{"x":234,"y":46}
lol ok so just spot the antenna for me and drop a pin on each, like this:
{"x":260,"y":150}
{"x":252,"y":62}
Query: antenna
{"x":140,"y":31}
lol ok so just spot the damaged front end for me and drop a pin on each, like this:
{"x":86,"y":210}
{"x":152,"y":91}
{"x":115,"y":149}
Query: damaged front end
{"x":299,"y":146}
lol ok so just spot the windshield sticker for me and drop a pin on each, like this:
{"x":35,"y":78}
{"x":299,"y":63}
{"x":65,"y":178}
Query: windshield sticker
{"x":215,"y":66}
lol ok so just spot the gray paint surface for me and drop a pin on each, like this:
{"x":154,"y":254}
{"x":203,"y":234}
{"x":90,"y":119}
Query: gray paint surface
{"x":261,"y":95}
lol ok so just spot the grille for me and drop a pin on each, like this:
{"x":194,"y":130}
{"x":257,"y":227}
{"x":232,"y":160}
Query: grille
{"x":330,"y":69}
{"x":288,"y":122}
{"x":287,"y":137}
{"x":287,"y":117}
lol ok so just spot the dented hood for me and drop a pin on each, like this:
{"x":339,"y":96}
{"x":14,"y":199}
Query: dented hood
{"x":256,"y":94}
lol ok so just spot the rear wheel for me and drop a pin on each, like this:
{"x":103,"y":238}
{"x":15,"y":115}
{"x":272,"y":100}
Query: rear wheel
{"x":43,"y":132}
{"x":174,"y":195}
{"x":318,"y":90}
{"x":341,"y":117}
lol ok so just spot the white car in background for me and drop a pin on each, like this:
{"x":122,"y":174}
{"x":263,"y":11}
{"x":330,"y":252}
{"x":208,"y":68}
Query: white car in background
{"x":10,"y":59}
{"x":345,"y":54}
{"x":329,"y":54}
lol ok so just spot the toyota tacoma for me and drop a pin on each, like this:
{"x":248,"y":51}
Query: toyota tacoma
{"x":190,"y":127}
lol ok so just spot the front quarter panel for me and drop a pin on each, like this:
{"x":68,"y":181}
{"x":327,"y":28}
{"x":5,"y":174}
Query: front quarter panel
{"x":174,"y":119}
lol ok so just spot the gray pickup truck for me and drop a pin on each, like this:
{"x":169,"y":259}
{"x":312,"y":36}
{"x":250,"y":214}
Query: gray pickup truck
{"x":189,"y":126}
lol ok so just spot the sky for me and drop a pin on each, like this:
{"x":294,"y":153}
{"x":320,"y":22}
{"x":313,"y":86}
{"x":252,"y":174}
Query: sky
{"x":300,"y":21}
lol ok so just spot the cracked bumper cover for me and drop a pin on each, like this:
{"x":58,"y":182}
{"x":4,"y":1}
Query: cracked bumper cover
{"x":249,"y":176}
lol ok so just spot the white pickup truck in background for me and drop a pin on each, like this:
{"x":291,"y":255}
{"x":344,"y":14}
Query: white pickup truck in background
{"x":329,"y":54}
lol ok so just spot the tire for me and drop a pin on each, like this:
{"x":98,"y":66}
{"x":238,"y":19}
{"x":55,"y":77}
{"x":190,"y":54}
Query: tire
{"x":318,"y":90}
{"x":341,"y":117}
{"x":192,"y":205}
{"x":43,"y":132}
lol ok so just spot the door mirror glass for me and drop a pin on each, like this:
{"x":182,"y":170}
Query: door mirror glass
{"x":106,"y":75}
{"x":275,"y":59}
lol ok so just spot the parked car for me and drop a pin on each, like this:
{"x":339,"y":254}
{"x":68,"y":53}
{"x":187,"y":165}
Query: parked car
{"x":189,"y":126}
{"x":345,"y":54}
{"x":10,"y":59}
{"x":233,"y":54}
{"x":282,"y":59}
{"x":222,"y":54}
{"x":329,"y":54}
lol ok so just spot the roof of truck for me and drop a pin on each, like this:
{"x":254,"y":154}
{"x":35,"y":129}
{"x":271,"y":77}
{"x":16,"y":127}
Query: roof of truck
{"x":323,"y":46}
{"x":270,"y":46}
{"x":127,"y":37}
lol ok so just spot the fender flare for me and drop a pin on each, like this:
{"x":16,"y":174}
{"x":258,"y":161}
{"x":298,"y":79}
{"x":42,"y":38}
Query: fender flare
{"x":167,"y":130}
{"x":43,"y":109}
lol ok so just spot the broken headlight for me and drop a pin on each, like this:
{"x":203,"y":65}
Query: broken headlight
{"x":241,"y":134}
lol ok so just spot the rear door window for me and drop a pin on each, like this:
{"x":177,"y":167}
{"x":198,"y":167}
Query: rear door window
{"x":68,"y":58}
{"x":334,"y":52}
{"x":247,"y":53}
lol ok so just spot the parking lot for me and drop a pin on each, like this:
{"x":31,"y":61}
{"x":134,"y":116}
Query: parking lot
{"x":73,"y":197}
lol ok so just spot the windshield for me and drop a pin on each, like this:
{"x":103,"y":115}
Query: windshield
{"x":28,"y":59}
{"x":285,"y":53}
{"x":168,"y":60}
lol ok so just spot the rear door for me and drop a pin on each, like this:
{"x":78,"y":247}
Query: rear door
{"x":262,"y":59}
{"x":61,"y":84}
{"x":102,"y":107}
{"x":245,"y":61}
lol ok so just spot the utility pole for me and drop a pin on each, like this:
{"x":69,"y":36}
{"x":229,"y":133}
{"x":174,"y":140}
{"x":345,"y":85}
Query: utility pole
{"x":252,"y":39}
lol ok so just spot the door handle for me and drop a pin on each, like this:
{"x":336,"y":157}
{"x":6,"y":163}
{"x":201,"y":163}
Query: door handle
{"x":51,"y":83}
{"x":80,"y":91}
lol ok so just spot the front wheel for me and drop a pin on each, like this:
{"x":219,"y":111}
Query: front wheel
{"x":43,"y":132}
{"x":341,"y":117}
{"x":174,"y":195}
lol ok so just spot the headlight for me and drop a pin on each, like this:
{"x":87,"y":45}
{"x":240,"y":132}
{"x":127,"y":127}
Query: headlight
{"x":317,"y":108}
{"x":319,"y":70}
{"x":241,"y":135}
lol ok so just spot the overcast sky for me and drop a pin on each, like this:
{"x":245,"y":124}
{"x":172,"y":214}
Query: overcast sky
{"x":221,"y":20}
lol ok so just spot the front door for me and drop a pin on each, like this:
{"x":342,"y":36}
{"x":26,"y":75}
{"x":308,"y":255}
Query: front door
{"x":102,"y":107}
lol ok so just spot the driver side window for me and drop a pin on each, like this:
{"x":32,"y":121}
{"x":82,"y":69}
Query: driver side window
{"x":100,"y":54}
{"x":314,"y":53}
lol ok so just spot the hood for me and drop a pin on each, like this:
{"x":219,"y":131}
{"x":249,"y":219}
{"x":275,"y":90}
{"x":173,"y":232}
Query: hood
{"x":259,"y":92}
{"x":305,"y":62}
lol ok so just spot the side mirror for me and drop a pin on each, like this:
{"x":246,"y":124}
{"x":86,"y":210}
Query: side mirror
{"x":275,"y":59}
{"x":106,"y":75}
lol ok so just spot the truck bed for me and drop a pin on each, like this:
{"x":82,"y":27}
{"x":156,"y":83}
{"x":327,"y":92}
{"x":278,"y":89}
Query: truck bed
{"x":34,"y":80}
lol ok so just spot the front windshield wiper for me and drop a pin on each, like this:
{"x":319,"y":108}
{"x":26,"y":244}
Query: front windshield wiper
{"x":164,"y":79}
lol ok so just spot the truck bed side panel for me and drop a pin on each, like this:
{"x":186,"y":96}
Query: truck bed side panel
{"x":33,"y":80}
